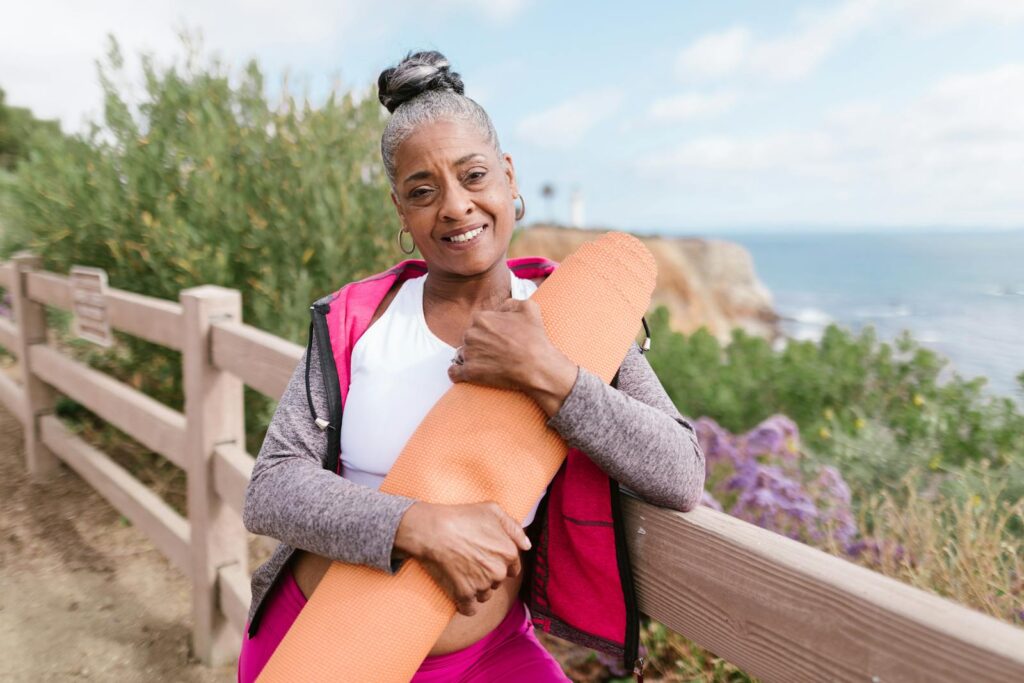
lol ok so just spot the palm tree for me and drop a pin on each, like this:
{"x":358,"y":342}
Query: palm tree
{"x":547,"y":191}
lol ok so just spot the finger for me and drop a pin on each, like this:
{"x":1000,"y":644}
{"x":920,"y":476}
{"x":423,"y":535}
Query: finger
{"x":467,"y":608}
{"x":515,"y":567}
{"x":516,"y":532}
{"x":484,"y":596}
{"x":457,"y":373}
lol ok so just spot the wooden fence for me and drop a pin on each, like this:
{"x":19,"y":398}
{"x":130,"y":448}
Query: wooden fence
{"x":780,"y":610}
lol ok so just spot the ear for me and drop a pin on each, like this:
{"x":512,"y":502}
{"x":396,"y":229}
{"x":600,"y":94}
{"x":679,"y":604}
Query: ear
{"x":510,"y":173}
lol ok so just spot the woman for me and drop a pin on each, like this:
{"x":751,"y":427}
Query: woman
{"x":386,"y":348}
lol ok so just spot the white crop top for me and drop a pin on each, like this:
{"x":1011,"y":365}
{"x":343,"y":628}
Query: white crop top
{"x":399,"y":371}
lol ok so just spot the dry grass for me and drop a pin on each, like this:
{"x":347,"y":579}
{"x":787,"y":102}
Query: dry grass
{"x":961,"y":548}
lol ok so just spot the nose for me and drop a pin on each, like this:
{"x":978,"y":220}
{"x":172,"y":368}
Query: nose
{"x":457,"y":203}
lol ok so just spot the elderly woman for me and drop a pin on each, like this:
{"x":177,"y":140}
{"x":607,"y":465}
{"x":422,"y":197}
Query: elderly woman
{"x":384,"y":349}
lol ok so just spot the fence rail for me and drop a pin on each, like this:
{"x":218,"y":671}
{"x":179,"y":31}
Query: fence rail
{"x":781,"y":610}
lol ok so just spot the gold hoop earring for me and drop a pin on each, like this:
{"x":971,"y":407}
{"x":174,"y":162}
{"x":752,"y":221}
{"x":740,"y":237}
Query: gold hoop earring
{"x":521,"y":211}
{"x":401,"y":245}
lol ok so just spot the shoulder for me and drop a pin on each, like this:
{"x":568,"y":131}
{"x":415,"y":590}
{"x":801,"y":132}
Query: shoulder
{"x":386,"y":301}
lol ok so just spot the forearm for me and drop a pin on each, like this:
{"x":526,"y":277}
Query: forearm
{"x":312,"y":508}
{"x":292,"y":498}
{"x":634,"y":434}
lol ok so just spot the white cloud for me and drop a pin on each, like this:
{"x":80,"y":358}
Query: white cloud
{"x":955,"y":155}
{"x":48,"y":48}
{"x":692,"y":105}
{"x":716,"y":54}
{"x":941,"y":14}
{"x":736,"y":51}
{"x":567,"y":123}
{"x":499,"y":11}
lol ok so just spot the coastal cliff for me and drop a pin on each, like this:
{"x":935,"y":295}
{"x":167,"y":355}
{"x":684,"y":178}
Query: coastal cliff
{"x":702,"y":282}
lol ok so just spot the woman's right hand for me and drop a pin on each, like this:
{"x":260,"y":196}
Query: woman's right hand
{"x":468,"y":549}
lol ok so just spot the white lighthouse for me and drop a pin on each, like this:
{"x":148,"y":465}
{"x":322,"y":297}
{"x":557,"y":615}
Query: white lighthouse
{"x":576,"y":215}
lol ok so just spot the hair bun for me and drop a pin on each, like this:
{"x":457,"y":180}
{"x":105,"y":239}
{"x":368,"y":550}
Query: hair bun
{"x":414,"y":75}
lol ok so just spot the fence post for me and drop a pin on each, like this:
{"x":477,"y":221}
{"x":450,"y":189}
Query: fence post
{"x":40,"y":398}
{"x":214,"y":415}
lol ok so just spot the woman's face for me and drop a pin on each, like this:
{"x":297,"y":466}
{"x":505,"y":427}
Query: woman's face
{"x":455,"y":195}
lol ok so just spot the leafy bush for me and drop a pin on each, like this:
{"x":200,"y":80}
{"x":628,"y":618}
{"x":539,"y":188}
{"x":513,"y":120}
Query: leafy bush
{"x":839,"y":391}
{"x":201,"y":180}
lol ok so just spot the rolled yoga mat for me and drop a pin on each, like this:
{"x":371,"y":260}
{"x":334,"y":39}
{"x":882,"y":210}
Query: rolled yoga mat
{"x":476,"y":444}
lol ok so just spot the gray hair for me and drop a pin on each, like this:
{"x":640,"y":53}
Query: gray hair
{"x":423,"y":89}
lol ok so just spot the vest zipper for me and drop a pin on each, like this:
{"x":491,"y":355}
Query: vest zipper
{"x":317,"y":326}
{"x":332,"y":388}
{"x":631,"y":643}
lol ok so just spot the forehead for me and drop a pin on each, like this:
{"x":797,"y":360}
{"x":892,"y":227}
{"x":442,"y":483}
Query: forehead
{"x":440,"y":143}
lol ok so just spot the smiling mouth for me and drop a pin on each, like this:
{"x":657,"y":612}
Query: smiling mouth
{"x":467,"y":236}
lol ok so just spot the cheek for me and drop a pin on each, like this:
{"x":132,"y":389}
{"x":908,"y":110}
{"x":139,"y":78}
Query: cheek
{"x":501,"y":203}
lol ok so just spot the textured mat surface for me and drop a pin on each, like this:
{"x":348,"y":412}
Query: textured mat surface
{"x":362,"y":624}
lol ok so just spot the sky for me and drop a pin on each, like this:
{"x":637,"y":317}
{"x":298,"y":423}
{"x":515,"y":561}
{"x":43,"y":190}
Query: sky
{"x":670,"y":117}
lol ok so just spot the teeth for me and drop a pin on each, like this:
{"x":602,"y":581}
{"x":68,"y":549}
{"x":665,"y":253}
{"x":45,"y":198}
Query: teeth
{"x":466,"y":236}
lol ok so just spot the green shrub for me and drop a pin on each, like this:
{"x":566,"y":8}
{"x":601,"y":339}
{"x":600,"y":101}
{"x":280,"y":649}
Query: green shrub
{"x":836,"y":384}
{"x":199,"y":179}
{"x":873,"y":408}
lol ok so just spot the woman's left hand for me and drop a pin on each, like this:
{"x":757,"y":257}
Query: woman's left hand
{"x":508,"y":348}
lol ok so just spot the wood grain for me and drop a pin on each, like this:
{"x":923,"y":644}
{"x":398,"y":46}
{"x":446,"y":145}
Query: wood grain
{"x":232,"y":469}
{"x":12,"y":397}
{"x":7,"y":274}
{"x":168,"y":530}
{"x":146,"y":317}
{"x":145,"y":419}
{"x":234,"y":595}
{"x":215,"y":411}
{"x":10,"y":340}
{"x":783,"y":611}
{"x":261,"y":360}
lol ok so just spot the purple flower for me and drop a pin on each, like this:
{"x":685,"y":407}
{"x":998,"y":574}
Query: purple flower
{"x":776,"y":436}
{"x":755,"y":476}
{"x":707,"y":500}
{"x":876,"y":551}
{"x":716,"y":442}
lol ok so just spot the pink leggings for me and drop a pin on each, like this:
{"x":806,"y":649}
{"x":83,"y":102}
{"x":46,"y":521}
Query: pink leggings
{"x":511,"y":652}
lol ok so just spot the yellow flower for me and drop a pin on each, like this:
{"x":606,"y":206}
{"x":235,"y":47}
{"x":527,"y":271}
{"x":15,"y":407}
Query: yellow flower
{"x":918,"y":400}
{"x":828,"y":414}
{"x":934,"y":463}
{"x":859,"y":423}
{"x":824,"y":433}
{"x":975,"y":500}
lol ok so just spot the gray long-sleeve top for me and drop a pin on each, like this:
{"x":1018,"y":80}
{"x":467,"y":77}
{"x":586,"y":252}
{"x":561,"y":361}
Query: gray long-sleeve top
{"x":634,"y":433}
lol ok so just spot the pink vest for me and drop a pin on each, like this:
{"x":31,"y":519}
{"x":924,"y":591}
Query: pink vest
{"x":578,"y":583}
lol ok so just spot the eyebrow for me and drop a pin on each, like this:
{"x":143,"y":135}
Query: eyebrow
{"x":420,"y":175}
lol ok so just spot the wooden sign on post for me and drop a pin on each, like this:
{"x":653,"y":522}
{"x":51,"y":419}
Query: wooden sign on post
{"x":89,"y":305}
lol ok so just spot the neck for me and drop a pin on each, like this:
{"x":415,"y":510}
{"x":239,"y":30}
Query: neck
{"x":481,"y":291}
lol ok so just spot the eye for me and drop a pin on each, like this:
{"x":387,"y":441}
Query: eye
{"x":474,"y":176}
{"x":419,"y":193}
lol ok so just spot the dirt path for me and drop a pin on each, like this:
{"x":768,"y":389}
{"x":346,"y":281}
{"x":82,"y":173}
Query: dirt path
{"x":83,"y":595}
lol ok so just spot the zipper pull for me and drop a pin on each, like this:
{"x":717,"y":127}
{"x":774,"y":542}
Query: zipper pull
{"x":322,"y":423}
{"x":647,"y":336}
{"x":638,"y":670}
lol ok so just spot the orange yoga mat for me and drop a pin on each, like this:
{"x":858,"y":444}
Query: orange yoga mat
{"x":476,"y":444}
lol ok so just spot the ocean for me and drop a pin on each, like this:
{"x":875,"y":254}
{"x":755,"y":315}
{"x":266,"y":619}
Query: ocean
{"x":960,"y":294}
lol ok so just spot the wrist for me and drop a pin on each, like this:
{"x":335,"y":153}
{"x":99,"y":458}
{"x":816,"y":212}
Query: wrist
{"x":551,"y":380}
{"x":410,"y":535}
